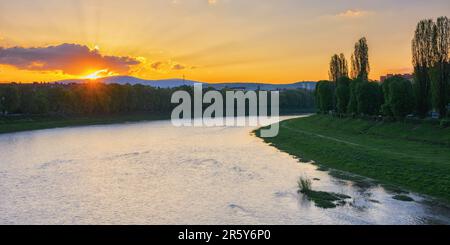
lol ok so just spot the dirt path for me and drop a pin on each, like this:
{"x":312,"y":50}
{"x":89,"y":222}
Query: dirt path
{"x":322,"y":136}
{"x":344,"y":141}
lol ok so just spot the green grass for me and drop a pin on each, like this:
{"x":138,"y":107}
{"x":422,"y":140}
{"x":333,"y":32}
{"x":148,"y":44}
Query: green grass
{"x":403,"y":198}
{"x":304,"y":185}
{"x":322,"y":199}
{"x":18,"y":124}
{"x":410,"y":156}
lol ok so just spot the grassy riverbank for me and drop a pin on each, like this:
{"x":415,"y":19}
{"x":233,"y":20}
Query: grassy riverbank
{"x":18,"y":124}
{"x":412,"y":156}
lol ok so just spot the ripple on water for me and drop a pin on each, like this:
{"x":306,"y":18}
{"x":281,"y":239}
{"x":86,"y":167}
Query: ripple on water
{"x":54,"y":163}
{"x":153,"y":173}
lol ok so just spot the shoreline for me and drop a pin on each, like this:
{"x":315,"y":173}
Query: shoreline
{"x":383,"y":152}
{"x":30,"y":123}
{"x":19,"y":124}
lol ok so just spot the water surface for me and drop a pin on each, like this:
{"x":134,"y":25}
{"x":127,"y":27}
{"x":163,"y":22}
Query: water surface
{"x":154,"y":173}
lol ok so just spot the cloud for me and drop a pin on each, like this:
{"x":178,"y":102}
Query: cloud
{"x":157,"y":65}
{"x":178,"y":67}
{"x":72,"y":59}
{"x":353,"y":13}
{"x":165,"y":66}
{"x":212,"y":2}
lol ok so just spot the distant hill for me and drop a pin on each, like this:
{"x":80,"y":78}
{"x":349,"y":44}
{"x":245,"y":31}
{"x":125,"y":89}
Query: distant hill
{"x":265,"y":86}
{"x":167,"y":83}
{"x":173,"y":83}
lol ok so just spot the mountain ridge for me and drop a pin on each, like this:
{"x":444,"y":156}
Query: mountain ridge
{"x":172,"y":83}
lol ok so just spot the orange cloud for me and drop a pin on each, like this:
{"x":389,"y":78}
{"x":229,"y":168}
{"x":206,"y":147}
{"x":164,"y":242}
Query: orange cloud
{"x":157,"y":65}
{"x":72,"y":59}
{"x":178,"y":67}
{"x":212,"y":2}
{"x":353,"y":13}
{"x":165,"y":66}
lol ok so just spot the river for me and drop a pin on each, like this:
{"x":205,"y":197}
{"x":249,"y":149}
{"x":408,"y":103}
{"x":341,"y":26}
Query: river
{"x":154,"y":173}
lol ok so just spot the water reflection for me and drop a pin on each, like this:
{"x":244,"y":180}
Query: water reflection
{"x":153,"y":173}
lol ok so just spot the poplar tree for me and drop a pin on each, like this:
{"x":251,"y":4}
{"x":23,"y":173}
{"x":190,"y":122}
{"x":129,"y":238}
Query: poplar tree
{"x":338,"y":67}
{"x":422,"y":53}
{"x":440,"y":74}
{"x":360,"y":60}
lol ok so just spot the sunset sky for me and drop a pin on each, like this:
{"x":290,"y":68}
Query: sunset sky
{"x":276,"y":41}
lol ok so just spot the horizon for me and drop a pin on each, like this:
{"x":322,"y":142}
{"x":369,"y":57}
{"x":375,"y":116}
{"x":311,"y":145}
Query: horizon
{"x":163,"y":79}
{"x":210,"y":41}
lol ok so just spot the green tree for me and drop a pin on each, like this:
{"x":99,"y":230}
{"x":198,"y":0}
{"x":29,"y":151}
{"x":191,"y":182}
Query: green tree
{"x":353,"y":98}
{"x":41,"y":104}
{"x":56,"y":97}
{"x":439,"y":73}
{"x":398,"y":97}
{"x":2,"y":98}
{"x":422,"y":53}
{"x":369,"y":98}
{"x":385,"y":87}
{"x":27,"y":94}
{"x":11,"y":99}
{"x":105,"y":99}
{"x":338,"y":67}
{"x":360,"y":60}
{"x":325,"y":96}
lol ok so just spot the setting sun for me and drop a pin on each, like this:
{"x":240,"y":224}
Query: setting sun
{"x":99,"y":74}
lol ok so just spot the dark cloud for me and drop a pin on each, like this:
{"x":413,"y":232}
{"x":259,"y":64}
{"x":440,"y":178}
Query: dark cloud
{"x":178,"y":67}
{"x":71,"y":59}
{"x":157,"y":65}
{"x":166,"y":65}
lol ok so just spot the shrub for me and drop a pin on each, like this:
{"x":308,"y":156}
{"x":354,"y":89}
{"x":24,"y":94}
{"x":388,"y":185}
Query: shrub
{"x":342,"y":94}
{"x":304,"y":185}
{"x":325,"y":96}
{"x":369,"y":98}
{"x":398,"y":97}
{"x":445,"y":123}
{"x":352,"y":106}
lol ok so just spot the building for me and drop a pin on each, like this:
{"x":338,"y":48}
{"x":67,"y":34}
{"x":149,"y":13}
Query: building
{"x":311,"y":86}
{"x":408,"y":76}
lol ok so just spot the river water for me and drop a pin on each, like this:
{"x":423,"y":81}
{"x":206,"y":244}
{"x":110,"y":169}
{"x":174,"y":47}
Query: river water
{"x":154,"y":173}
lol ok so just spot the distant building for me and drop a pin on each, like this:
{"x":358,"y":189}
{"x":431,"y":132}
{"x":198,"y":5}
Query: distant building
{"x":408,"y":76}
{"x":307,"y":85}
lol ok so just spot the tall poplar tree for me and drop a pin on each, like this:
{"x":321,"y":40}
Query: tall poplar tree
{"x":338,"y":67}
{"x":360,"y":60}
{"x":440,"y":73}
{"x":422,"y":53}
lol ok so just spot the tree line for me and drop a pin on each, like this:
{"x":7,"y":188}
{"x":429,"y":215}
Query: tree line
{"x":81,"y":99}
{"x":395,"y":97}
{"x":94,"y":98}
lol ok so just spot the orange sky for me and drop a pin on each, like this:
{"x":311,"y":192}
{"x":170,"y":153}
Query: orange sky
{"x":276,"y":41}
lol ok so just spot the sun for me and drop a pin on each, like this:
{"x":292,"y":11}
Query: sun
{"x":99,"y":74}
